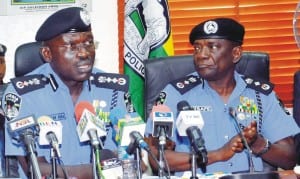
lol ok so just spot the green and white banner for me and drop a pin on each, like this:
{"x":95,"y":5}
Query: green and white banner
{"x":147,"y":35}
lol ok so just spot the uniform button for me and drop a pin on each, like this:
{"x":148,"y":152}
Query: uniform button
{"x":230,"y":164}
{"x":226,"y":137}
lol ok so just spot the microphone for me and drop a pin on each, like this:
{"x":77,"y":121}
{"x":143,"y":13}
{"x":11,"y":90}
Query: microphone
{"x":187,"y":117}
{"x":93,"y":136}
{"x":18,"y":127}
{"x":197,"y":142}
{"x":89,"y":126}
{"x":51,"y":137}
{"x":163,"y":121}
{"x":123,"y":124}
{"x":25,"y":130}
{"x":136,"y":140}
{"x":232,"y":114}
{"x":50,"y":133}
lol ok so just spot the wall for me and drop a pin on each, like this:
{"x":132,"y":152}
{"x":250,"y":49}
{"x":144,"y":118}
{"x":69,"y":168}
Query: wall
{"x":19,"y":29}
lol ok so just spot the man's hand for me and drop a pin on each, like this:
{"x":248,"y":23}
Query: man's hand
{"x":250,"y":132}
{"x":234,"y":145}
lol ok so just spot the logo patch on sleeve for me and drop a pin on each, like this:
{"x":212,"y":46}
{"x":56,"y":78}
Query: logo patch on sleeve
{"x":12,"y":104}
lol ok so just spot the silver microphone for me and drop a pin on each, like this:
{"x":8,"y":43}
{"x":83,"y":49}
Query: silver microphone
{"x":239,"y":130}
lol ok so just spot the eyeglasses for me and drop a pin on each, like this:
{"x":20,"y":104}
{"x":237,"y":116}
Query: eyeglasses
{"x":88,"y":45}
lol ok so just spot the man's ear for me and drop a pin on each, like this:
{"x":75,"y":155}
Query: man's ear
{"x":237,"y":53}
{"x":46,"y":53}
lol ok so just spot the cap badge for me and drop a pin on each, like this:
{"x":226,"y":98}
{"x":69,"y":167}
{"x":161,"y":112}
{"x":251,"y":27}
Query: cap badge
{"x":1,"y":49}
{"x":84,"y":15}
{"x":210,"y":27}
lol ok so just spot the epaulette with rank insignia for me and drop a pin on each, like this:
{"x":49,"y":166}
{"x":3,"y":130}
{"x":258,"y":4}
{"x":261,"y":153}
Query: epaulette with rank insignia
{"x":185,"y":84}
{"x":110,"y":80}
{"x":29,"y":83}
{"x":258,"y":85}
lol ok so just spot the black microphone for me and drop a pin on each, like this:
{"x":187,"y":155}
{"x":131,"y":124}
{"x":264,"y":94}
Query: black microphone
{"x":197,"y":142}
{"x":136,"y":140}
{"x":183,"y":106}
{"x":53,"y":141}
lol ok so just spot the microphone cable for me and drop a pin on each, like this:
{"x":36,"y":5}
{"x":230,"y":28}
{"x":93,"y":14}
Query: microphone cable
{"x":157,"y":163}
{"x":98,"y":163}
{"x":61,"y":164}
{"x":167,"y":165}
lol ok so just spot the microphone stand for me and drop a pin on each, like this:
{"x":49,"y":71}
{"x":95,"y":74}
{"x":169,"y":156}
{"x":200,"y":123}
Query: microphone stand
{"x":96,"y":145}
{"x":194,"y":164}
{"x":95,"y":175}
{"x":252,"y":173}
{"x":138,"y":161}
{"x":162,"y":143}
{"x":239,"y":130}
{"x":28,"y":137}
{"x":53,"y":163}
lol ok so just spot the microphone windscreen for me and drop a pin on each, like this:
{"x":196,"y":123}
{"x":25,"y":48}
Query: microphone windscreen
{"x":81,"y":106}
{"x":48,"y":125}
{"x":159,"y":108}
{"x":183,"y":106}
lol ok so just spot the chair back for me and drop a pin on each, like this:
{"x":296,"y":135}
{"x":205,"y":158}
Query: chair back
{"x":296,"y":99}
{"x":27,"y":58}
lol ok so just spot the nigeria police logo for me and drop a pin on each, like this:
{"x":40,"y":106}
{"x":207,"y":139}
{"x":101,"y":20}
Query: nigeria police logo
{"x":12,"y":104}
{"x":210,"y":27}
{"x":85,"y":17}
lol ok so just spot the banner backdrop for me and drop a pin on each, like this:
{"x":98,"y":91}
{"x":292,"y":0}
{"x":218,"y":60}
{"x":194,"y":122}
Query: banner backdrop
{"x":21,"y":7}
{"x":147,"y":34}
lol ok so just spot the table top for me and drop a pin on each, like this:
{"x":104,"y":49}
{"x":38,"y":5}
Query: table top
{"x":287,"y":174}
